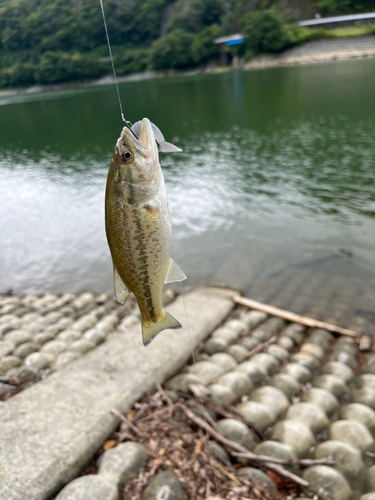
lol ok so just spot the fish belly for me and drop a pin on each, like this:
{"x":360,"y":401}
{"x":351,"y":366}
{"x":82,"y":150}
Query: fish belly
{"x":139,"y":240}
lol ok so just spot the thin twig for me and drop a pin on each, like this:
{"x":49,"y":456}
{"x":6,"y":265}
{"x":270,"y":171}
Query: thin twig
{"x":128,"y":423}
{"x":232,"y":412}
{"x":237,"y":447}
{"x":163,"y":394}
{"x":5,"y":380}
{"x":289,"y":316}
{"x":260,"y":347}
{"x":287,"y":461}
{"x":227,"y":474}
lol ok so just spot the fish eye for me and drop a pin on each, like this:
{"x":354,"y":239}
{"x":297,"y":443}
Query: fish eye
{"x":127,"y":156}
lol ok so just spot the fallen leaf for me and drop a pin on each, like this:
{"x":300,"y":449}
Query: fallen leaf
{"x":111,"y":443}
{"x":275,"y":478}
{"x":152,"y":444}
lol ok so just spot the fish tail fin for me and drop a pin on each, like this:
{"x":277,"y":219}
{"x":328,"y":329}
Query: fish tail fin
{"x":149,"y":331}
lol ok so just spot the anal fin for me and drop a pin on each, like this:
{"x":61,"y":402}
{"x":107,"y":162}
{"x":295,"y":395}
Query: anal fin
{"x":175,"y":273}
{"x":121,"y":290}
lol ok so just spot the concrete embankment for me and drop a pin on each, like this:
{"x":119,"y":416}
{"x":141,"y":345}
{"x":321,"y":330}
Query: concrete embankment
{"x":49,"y":431}
{"x":308,"y":395}
{"x":317,"y":51}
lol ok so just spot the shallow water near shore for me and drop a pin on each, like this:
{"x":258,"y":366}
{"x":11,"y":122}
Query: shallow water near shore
{"x":273,"y":193}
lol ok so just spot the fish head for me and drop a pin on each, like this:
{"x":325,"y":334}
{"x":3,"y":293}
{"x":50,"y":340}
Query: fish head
{"x":136,"y":158}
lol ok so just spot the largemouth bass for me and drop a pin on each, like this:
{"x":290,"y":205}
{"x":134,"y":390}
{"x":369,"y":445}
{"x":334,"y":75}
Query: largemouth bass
{"x":138,"y":226}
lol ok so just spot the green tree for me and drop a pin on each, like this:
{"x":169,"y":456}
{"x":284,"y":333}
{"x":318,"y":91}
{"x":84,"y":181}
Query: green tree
{"x":204,"y":48}
{"x":194,"y":15}
{"x":173,"y":51}
{"x":264,"y":31}
{"x":133,"y":61}
{"x":57,"y":67}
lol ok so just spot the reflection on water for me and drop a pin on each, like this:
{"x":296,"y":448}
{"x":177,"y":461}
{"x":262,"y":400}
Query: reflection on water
{"x":273,"y":193}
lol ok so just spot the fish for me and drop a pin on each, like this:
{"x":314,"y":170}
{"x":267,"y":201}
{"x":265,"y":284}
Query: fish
{"x":138,"y":225}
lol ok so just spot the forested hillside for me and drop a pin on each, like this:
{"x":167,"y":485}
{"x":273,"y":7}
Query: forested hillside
{"x":52,"y":41}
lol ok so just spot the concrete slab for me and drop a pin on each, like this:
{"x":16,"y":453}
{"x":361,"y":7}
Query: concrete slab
{"x":49,"y":431}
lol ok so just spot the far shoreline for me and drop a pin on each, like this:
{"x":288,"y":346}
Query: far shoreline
{"x":300,"y":55}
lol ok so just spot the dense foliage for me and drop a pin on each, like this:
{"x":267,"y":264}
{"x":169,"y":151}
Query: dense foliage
{"x":54,"y":41}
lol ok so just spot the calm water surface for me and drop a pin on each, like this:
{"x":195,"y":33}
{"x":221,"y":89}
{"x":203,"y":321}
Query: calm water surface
{"x":274,"y":192}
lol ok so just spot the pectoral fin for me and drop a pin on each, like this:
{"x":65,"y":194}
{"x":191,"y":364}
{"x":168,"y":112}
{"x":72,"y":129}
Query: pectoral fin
{"x":174,"y":273}
{"x":121,"y":290}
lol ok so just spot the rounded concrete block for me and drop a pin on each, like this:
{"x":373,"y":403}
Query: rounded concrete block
{"x":65,"y":358}
{"x":18,"y":337}
{"x":54,"y":347}
{"x":258,"y":478}
{"x":69,"y":336}
{"x":276,"y":450}
{"x":267,"y":361}
{"x":182,"y":382}
{"x":239,"y":352}
{"x":8,"y":362}
{"x":344,"y":372}
{"x":365,"y":396}
{"x":352,"y":432}
{"x":255,"y":372}
{"x":257,"y":414}
{"x":214,"y":344}
{"x":322,"y":398}
{"x":236,"y":431}
{"x":345,"y":358}
{"x":299,"y":372}
{"x":224,"y":360}
{"x":164,"y":485}
{"x":90,"y":486}
{"x":367,"y":381}
{"x":6,"y":347}
{"x":287,"y":384}
{"x":295,"y":434}
{"x":81,"y":346}
{"x":24,"y":350}
{"x":361,"y":413}
{"x":286,"y":342}
{"x":327,"y":483}
{"x":348,"y":458}
{"x":123,"y":463}
{"x":331,"y":383}
{"x":254,"y":318}
{"x":309,"y":414}
{"x":313,"y":349}
{"x":307,"y":360}
{"x":249,"y":342}
{"x":221,"y":395}
{"x":272,"y":398}
{"x":237,"y":381}
{"x":206,"y":371}
{"x":279,"y":352}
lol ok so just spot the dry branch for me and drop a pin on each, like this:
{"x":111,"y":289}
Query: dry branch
{"x":237,"y":447}
{"x":284,"y":461}
{"x":260,"y":347}
{"x":127,"y":422}
{"x":289,"y":316}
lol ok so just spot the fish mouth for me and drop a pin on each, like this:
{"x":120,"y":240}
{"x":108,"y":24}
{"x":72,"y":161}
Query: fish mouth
{"x":144,"y":144}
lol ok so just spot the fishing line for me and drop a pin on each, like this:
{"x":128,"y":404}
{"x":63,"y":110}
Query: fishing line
{"x":128,"y":124}
{"x":192,"y":352}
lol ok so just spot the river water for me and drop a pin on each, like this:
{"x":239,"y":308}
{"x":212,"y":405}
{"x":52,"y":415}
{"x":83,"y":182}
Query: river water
{"x":273,"y":194}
